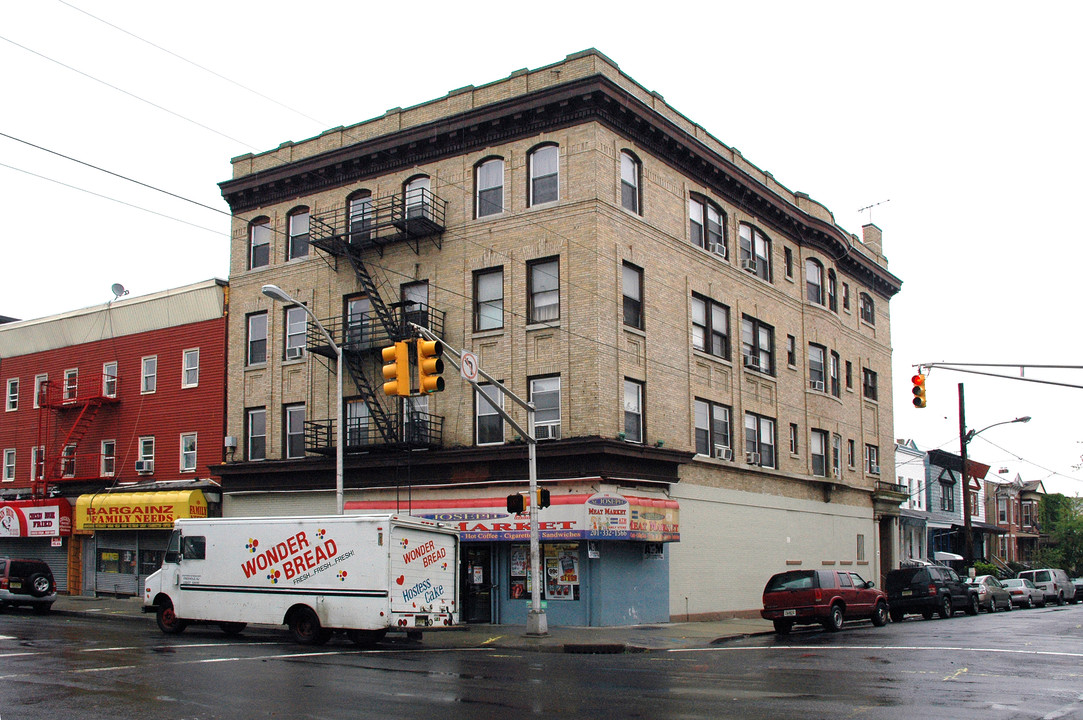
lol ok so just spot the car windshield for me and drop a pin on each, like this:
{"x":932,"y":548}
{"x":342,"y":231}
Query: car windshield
{"x":1013,"y":583}
{"x":795,"y":580}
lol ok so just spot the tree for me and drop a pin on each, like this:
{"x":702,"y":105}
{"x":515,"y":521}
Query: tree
{"x":1062,"y":518}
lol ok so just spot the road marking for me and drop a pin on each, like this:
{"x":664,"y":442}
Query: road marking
{"x":849,"y":648}
{"x":955,"y":674}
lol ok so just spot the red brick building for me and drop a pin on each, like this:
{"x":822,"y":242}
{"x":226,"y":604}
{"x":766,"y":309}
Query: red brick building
{"x":111,"y":416}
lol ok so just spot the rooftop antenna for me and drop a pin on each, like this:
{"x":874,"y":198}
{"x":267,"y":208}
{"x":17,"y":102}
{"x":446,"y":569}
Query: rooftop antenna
{"x":118,"y":291}
{"x":870,"y":207}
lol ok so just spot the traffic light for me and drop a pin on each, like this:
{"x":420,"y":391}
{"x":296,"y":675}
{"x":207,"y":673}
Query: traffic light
{"x":429,"y":366}
{"x":397,"y":368}
{"x":919,"y":390}
{"x":516,"y":503}
{"x":543,"y":498}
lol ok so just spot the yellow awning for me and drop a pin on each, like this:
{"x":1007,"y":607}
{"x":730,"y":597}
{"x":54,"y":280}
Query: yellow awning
{"x":123,"y":511}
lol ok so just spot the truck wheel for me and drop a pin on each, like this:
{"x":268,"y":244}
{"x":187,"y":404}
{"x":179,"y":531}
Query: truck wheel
{"x":897,"y":615}
{"x":39,"y":585}
{"x":168,"y":622}
{"x":879,"y":615}
{"x":232,"y":628}
{"x":834,"y":621}
{"x":366,"y":637}
{"x":306,"y":628}
{"x":1060,"y":599}
{"x":945,"y":610}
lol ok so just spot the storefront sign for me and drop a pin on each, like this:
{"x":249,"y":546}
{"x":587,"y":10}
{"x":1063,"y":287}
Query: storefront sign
{"x":35,"y":518}
{"x":115,"y":511}
{"x":601,"y":516}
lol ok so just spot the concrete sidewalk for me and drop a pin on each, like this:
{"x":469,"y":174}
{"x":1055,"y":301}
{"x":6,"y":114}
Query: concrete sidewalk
{"x":630,"y":638}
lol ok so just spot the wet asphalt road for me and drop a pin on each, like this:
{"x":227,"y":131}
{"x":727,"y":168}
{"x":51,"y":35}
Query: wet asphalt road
{"x":1024,"y":664}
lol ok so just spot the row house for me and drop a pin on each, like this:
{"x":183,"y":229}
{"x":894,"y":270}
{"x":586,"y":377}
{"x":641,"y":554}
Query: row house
{"x":708,"y":352}
{"x":910,"y":472}
{"x":1013,"y":506}
{"x":111,"y":416}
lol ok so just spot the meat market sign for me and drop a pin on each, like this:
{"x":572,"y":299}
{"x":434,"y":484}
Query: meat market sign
{"x":35,"y":518}
{"x":601,"y":516}
{"x":115,"y":511}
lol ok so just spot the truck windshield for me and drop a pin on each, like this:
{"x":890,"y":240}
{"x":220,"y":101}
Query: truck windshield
{"x":172,"y":550}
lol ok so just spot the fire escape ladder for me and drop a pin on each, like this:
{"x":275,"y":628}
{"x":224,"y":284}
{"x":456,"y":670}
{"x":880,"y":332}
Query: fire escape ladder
{"x":78,"y":429}
{"x":385,"y":424}
{"x":392,"y":326}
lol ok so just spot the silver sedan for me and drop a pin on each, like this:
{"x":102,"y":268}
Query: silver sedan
{"x":1024,"y":593}
{"x":991,"y":594}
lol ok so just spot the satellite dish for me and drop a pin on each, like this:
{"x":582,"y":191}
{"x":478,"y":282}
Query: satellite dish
{"x":118,"y":290}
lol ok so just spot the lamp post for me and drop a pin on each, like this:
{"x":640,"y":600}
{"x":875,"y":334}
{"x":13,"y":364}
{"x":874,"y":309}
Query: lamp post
{"x":276,"y":293}
{"x":965,"y":436}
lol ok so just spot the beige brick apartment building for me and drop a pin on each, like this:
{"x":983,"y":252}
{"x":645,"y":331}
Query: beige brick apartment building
{"x":709,"y":353}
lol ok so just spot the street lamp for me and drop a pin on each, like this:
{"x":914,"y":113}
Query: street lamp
{"x":276,"y":293}
{"x":965,"y":436}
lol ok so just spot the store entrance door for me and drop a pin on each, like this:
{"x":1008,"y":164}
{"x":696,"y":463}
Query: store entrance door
{"x":477,"y":584}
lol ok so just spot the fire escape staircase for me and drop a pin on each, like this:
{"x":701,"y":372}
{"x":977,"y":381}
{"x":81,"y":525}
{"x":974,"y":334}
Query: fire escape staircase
{"x":82,"y":423}
{"x":379,"y":223}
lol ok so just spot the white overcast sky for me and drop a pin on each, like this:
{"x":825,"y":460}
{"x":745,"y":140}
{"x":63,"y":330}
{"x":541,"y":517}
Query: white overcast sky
{"x":964,"y":115}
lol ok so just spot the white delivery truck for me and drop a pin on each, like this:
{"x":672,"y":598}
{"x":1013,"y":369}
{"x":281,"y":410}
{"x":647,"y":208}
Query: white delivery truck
{"x":364,"y":574}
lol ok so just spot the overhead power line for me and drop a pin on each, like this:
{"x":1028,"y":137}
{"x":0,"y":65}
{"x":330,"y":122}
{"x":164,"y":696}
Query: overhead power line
{"x":965,"y":368}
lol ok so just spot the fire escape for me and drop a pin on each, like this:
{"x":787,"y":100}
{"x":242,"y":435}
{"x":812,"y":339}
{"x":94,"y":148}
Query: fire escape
{"x":70,"y":408}
{"x":352,"y":236}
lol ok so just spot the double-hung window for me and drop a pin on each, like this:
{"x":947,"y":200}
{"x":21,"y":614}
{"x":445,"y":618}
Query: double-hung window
{"x":109,"y":379}
{"x":146,"y":452}
{"x":294,"y":427}
{"x":632,"y":289}
{"x":545,"y":394}
{"x":150,"y":375}
{"x":867,"y":309}
{"x":814,"y":281}
{"x":9,"y":465}
{"x":257,"y":338}
{"x":832,"y":292}
{"x":836,"y":455}
{"x":259,"y":243}
{"x":488,"y":423}
{"x":256,"y":434}
{"x":71,"y":384}
{"x":190,"y":368}
{"x":755,"y":252}
{"x":544,"y":175}
{"x":67,"y":461}
{"x":705,"y":225}
{"x":872,"y":459}
{"x":489,"y":299}
{"x":629,"y":183}
{"x":296,"y":330}
{"x":490,"y":187}
{"x":188,"y":452}
{"x":713,"y":432}
{"x":758,"y":345}
{"x":297,"y":224}
{"x":40,"y":385}
{"x":868,"y":384}
{"x":543,"y":290}
{"x":817,"y":367}
{"x":12,"y":395}
{"x":357,"y":423}
{"x":633,"y":411}
{"x":710,"y":327}
{"x":109,"y":458}
{"x":818,"y":452}
{"x":834,"y":373}
{"x":759,"y":440}
{"x":37,"y":462}
{"x":359,"y":208}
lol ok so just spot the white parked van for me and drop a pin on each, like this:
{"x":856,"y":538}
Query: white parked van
{"x":1054,"y":584}
{"x":363,"y":574}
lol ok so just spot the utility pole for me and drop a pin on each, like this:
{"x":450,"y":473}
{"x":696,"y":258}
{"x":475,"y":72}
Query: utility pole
{"x":968,"y":554}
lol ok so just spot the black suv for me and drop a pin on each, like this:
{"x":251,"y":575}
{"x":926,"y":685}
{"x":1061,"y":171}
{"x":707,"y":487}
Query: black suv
{"x":26,"y":582}
{"x":928,"y":589}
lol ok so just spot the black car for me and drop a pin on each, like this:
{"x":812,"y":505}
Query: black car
{"x":926,"y":590}
{"x":26,"y":582}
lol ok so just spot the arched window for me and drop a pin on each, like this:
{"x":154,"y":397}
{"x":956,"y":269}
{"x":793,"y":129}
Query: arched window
{"x":360,"y":217}
{"x":832,"y":292}
{"x":630,"y":171}
{"x":706,"y":225}
{"x":868,"y":310}
{"x":755,"y":252}
{"x":417,"y":195}
{"x":814,"y":281}
{"x":259,"y":243}
{"x":297,"y":233}
{"x":544,"y":175}
{"x":489,"y":187}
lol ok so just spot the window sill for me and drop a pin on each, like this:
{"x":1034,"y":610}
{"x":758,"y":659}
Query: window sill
{"x":637,"y":331}
{"x":543,"y":325}
{"x":256,"y":366}
{"x":492,"y":332}
{"x":715,"y":358}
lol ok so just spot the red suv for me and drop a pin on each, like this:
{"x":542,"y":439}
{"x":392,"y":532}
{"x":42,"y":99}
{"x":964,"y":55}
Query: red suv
{"x":828,"y":597}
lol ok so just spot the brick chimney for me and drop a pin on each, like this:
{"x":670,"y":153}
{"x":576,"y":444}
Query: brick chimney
{"x":873,"y":238}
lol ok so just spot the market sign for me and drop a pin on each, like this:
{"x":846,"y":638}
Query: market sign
{"x":35,"y":518}
{"x":122,"y":511}
{"x":601,"y":516}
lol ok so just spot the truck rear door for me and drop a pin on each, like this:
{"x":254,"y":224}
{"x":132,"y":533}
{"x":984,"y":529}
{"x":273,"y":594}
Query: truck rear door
{"x":423,"y":587}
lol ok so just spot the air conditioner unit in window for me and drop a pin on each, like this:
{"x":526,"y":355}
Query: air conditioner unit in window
{"x":817,"y":385}
{"x":752,"y":361}
{"x":874,"y":469}
{"x":294,"y":353}
{"x":752,"y":458}
{"x":720,"y":250}
{"x":723,"y":453}
{"x":547,"y":432}
{"x":144,"y":467}
{"x":749,"y":265}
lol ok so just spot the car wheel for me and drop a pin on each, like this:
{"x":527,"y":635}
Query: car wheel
{"x":1060,"y":599}
{"x":232,"y":628}
{"x":992,"y":605}
{"x":879,"y":615}
{"x":834,"y":621}
{"x":1008,"y":608}
{"x":897,"y":615}
{"x":1030,"y":603}
{"x":39,"y":584}
{"x":945,"y":610}
{"x":972,"y":605}
{"x":306,"y":629}
{"x":168,"y":622}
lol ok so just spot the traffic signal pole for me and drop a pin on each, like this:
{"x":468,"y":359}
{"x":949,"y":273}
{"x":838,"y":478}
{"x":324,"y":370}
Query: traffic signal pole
{"x":536,"y":623}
